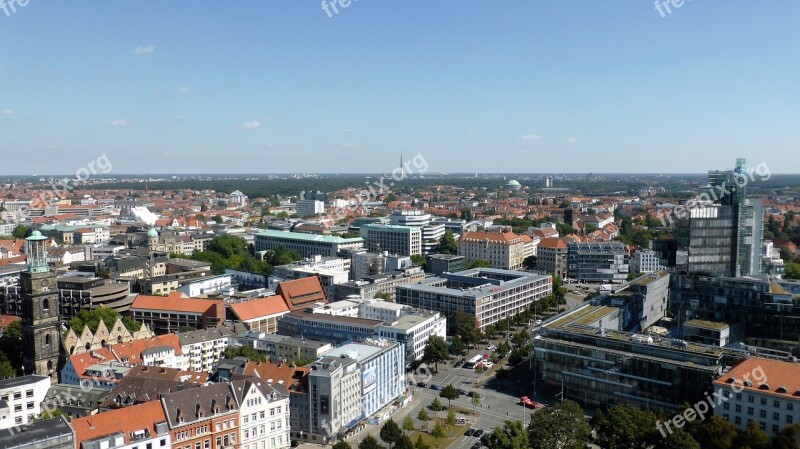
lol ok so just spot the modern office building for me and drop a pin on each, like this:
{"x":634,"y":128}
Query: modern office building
{"x":723,"y":231}
{"x":768,"y":313}
{"x":646,"y":261}
{"x":642,"y":302}
{"x":324,"y":327}
{"x":432,"y":231}
{"x":308,"y":245}
{"x":282,"y":348}
{"x":444,"y":263}
{"x":598,"y":262}
{"x":412,"y":329}
{"x":382,"y":366}
{"x":501,"y":247}
{"x":333,"y":403}
{"x":387,"y":283}
{"x":366,"y":264}
{"x":489,"y":294}
{"x":402,"y":240}
{"x":582,"y":354}
{"x":760,"y":390}
{"x":308,"y":208}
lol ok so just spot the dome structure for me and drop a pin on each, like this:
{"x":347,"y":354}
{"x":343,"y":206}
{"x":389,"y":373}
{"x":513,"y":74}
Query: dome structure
{"x":152,"y":233}
{"x":513,"y":185}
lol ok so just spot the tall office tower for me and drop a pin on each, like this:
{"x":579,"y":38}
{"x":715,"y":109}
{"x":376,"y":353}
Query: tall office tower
{"x":722,"y":231}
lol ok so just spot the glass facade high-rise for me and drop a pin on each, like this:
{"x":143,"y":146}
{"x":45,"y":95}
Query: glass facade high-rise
{"x":722,"y":229}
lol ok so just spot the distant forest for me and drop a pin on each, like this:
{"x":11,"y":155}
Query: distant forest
{"x":679,"y":186}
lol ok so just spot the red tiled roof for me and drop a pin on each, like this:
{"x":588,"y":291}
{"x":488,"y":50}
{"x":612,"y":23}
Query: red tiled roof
{"x":132,"y":351}
{"x":261,"y":307}
{"x":80,"y":362}
{"x":553,"y":242}
{"x":5,"y":320}
{"x":125,"y":421}
{"x":505,"y":237}
{"x":763,"y":373}
{"x":300,"y":292}
{"x":175,"y":302}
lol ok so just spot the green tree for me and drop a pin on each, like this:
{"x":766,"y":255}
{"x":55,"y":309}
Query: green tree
{"x":92,"y":318}
{"x":403,"y":442}
{"x":424,"y":417}
{"x":217,"y":218}
{"x":752,"y":438}
{"x":20,"y":231}
{"x":625,"y":427}
{"x":243,"y":351}
{"x":466,"y":214}
{"x":436,"y":405}
{"x":447,"y":244}
{"x":408,"y":424}
{"x":436,"y":351}
{"x":450,"y":393}
{"x":787,"y":438}
{"x":7,"y":370}
{"x":561,"y":425}
{"x":369,"y":442}
{"x":384,"y":296}
{"x":465,"y":325}
{"x":457,"y":345}
{"x":476,"y":401}
{"x":390,"y":432}
{"x":421,"y":444}
{"x":713,"y":433}
{"x":511,"y":436}
{"x":479,"y":263}
{"x":451,"y":418}
{"x":793,"y":270}
{"x":437,"y":432}
{"x":418,"y":260}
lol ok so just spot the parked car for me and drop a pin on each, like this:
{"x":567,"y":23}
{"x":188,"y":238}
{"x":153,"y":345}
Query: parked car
{"x":422,"y":385}
{"x":488,"y":364}
{"x":477,"y":433}
{"x":477,"y":445}
{"x":461,"y":421}
{"x":462,"y":391}
{"x":491,"y":348}
{"x":469,"y":432}
{"x":538,"y":322}
{"x":435,"y":387}
{"x":471,"y":394}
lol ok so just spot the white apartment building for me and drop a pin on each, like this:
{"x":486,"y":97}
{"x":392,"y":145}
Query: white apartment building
{"x":264,"y":414}
{"x":21,"y":398}
{"x":402,"y":240}
{"x":760,"y":390}
{"x":307,"y":208}
{"x":308,"y":245}
{"x":432,"y":232}
{"x":216,"y":284}
{"x":202,"y":348}
{"x":646,"y":261}
{"x":501,"y":247}
{"x":413,"y":330}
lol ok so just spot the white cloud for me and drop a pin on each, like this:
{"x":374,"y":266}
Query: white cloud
{"x":270,"y":145}
{"x":347,"y":145}
{"x":348,"y":130}
{"x":572,"y":140}
{"x":183,"y":90}
{"x":121,"y":123}
{"x":250,"y":125}
{"x":530,"y":137}
{"x":143,"y":50}
{"x":7,"y":112}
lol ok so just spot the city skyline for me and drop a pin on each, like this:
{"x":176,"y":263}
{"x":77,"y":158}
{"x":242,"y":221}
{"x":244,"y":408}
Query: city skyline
{"x":289,"y":88}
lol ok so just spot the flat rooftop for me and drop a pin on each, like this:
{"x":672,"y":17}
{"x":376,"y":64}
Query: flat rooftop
{"x":308,"y":237}
{"x":707,"y":324}
{"x":584,"y":316}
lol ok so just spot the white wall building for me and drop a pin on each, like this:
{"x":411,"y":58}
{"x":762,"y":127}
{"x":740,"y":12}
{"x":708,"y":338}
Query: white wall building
{"x":202,"y":348}
{"x":21,"y":398}
{"x":307,"y":208}
{"x":215,"y":284}
{"x":402,"y":240}
{"x":264,"y":414}
{"x":646,"y":261}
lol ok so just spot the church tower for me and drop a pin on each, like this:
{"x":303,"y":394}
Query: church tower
{"x":40,"y":318}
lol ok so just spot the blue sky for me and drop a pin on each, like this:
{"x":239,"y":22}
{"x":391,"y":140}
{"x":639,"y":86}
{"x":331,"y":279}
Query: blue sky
{"x":515,"y":86}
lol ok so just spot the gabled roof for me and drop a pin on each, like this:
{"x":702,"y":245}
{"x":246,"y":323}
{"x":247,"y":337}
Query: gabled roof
{"x":300,"y":292}
{"x":258,"y":308}
{"x":175,"y":302}
{"x":123,"y":421}
{"x":132,"y":351}
{"x":182,"y":407}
